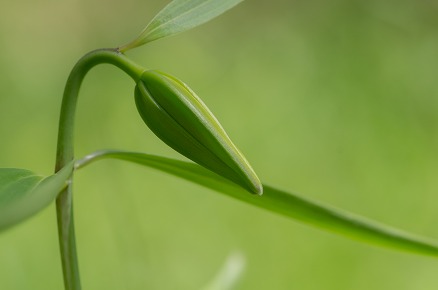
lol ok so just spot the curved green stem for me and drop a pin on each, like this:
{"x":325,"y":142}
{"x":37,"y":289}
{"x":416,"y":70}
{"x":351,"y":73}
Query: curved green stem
{"x":64,"y":205}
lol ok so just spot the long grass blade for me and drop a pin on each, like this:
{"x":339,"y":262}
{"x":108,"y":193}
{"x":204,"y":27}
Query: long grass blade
{"x":284,"y":203}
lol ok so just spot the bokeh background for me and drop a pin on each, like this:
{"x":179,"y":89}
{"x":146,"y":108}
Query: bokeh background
{"x":336,"y":100}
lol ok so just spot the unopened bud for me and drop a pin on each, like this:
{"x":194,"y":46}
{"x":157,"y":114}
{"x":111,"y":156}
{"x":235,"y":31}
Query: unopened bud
{"x":179,"y":118}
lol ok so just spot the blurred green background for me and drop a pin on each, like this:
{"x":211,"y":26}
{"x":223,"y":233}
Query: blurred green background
{"x":336,"y":100}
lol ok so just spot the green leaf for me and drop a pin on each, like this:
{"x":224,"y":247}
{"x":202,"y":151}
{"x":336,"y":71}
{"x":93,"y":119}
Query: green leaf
{"x":23,"y":193}
{"x":178,"y":16}
{"x":283,"y":203}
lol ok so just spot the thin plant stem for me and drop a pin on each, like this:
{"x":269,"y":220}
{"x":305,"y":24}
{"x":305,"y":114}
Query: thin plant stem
{"x":65,"y":154}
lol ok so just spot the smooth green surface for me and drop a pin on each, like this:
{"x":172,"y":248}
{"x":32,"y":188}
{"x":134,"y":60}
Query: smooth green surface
{"x":334,"y":100}
{"x":23,"y":193}
{"x":179,"y":16}
{"x":182,"y":120}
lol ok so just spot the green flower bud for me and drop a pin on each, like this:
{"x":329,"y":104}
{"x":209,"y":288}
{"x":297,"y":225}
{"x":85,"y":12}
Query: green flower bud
{"x":179,"y":118}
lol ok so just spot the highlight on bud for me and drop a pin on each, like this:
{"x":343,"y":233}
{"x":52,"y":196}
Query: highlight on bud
{"x":180,"y":119}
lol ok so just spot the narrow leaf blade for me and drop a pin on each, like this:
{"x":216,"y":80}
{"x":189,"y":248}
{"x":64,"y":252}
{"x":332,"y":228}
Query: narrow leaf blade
{"x":284,"y":203}
{"x":231,"y":272}
{"x":23,"y":193}
{"x":179,"y":16}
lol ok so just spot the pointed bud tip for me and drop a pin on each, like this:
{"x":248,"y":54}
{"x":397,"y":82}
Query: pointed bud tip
{"x":258,"y":190}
